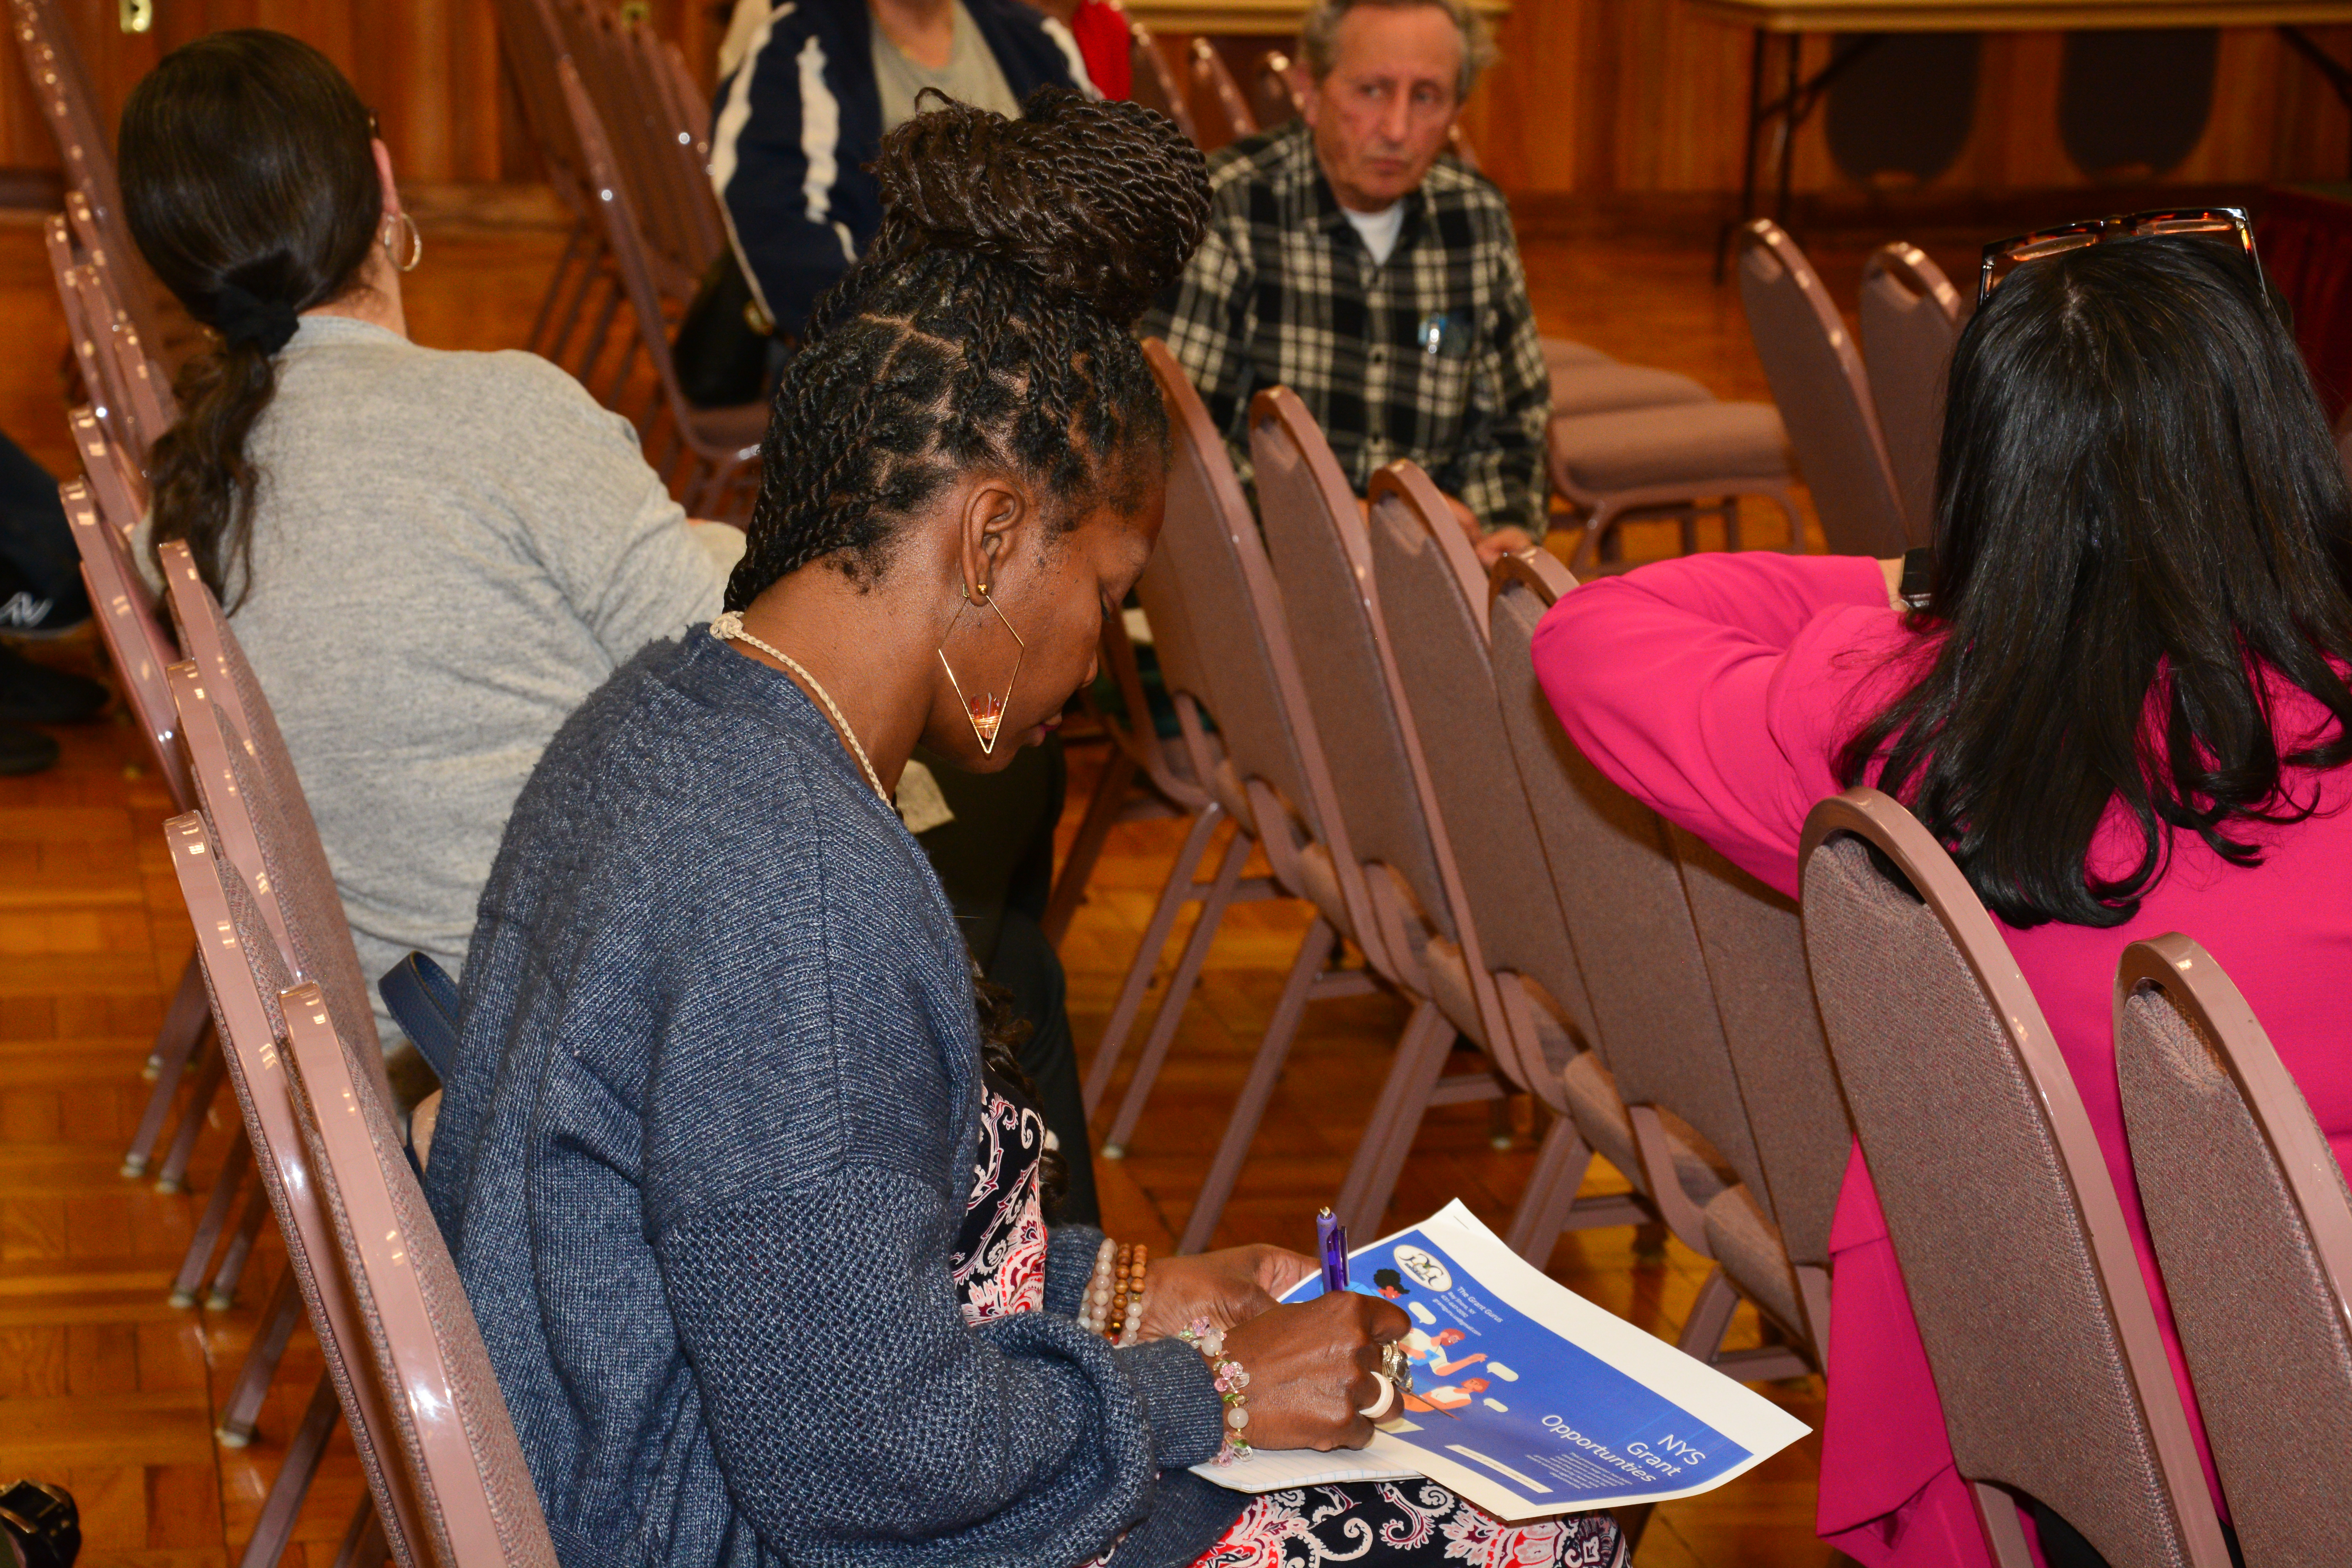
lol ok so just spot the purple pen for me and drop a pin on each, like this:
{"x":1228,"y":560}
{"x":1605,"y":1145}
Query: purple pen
{"x":1331,"y":1244}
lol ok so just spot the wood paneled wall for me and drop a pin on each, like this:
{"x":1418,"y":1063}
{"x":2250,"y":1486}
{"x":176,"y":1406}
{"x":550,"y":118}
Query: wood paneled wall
{"x":1594,"y":98}
{"x":1631,"y":97}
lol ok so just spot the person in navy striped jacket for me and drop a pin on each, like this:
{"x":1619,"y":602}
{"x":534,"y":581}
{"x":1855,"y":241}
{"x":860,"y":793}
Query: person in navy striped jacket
{"x":810,"y":88}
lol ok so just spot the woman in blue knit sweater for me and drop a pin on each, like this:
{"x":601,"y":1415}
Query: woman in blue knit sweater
{"x":742,"y":1181}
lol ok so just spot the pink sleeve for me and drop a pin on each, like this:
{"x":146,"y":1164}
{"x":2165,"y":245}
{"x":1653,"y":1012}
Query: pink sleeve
{"x":1718,"y":688}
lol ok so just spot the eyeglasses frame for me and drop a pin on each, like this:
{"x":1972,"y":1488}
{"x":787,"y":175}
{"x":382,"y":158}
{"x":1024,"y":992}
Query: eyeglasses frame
{"x":2128,"y":225}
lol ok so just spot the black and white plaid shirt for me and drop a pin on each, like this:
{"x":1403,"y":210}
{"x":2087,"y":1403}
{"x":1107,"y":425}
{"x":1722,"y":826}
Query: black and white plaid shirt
{"x":1432,"y":356}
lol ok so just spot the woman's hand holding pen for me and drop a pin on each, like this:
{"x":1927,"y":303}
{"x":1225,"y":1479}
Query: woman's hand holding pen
{"x":1314,"y":1369}
{"x":1227,"y":1288}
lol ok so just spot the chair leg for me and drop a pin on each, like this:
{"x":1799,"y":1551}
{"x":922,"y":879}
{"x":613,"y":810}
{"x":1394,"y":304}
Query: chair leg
{"x":1179,"y":991}
{"x":2004,"y":1532}
{"x":1180,"y":890}
{"x":1710,"y":1317}
{"x":213,"y":1220}
{"x":160,"y":1100}
{"x":1421,"y":1053}
{"x":1241,"y":1128}
{"x":1094,"y":828}
{"x":172,"y":1176}
{"x":223,"y":1294}
{"x":275,"y":1529}
{"x":274,"y":1328}
{"x":364,"y":1543}
{"x":184,"y":1019}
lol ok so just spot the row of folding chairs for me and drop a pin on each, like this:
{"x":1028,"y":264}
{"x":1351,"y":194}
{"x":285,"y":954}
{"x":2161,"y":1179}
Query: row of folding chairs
{"x":1511,"y":895}
{"x":276,"y":969}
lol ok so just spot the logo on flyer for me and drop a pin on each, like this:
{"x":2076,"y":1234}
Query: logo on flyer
{"x":1425,"y":1269}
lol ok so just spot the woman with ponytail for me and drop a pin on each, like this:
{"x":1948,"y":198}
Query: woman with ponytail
{"x":430,"y":558}
{"x":743,"y":1184}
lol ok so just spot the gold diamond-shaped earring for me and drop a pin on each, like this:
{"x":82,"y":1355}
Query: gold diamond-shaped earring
{"x":986,"y":710}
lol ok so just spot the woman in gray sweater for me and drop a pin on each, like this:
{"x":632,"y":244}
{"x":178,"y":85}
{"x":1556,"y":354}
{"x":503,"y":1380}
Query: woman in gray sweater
{"x":431,"y":558}
{"x":744,"y":1185}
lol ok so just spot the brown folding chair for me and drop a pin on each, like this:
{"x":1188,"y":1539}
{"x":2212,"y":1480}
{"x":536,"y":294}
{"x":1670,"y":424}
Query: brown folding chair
{"x":246,"y":974}
{"x":1315,"y":535}
{"x":2021,"y":1272}
{"x":1433,"y":611}
{"x":2253,"y":1226}
{"x":1659,"y":1095}
{"x":1824,"y":395}
{"x":583,"y":290}
{"x":450,"y":1432}
{"x":709,"y":455}
{"x":1911,"y":317}
{"x":1142,"y":778}
{"x":1220,"y":114}
{"x":1670,"y":460}
{"x":141,"y":647}
{"x":1156,"y":86}
{"x":68,"y":102}
{"x":1772,"y":1237}
{"x":1267,"y":774}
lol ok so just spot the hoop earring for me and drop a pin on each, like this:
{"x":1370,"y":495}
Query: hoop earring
{"x":986,"y":710}
{"x":415,"y":242}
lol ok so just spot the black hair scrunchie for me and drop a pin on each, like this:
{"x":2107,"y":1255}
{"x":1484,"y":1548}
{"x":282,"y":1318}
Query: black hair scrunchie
{"x":246,"y":317}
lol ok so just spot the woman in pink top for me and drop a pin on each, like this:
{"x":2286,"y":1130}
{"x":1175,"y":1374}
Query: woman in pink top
{"x":2123,"y":709}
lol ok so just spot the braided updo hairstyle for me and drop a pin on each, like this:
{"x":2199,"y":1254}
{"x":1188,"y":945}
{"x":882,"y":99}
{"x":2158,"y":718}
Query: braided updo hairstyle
{"x":990,"y":324}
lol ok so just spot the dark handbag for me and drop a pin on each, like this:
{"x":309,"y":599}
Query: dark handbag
{"x":423,"y":1000}
{"x":723,"y":339}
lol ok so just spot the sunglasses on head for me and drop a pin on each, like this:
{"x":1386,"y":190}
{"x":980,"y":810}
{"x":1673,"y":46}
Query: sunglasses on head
{"x":2007,"y":255}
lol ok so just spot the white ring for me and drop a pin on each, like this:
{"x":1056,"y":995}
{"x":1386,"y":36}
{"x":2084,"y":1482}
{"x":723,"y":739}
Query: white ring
{"x":1388,"y":1401}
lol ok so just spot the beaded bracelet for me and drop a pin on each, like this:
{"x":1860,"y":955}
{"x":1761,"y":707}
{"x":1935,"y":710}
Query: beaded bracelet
{"x":1230,"y":1380}
{"x":1094,"y":1309}
{"x":1126,"y":1294}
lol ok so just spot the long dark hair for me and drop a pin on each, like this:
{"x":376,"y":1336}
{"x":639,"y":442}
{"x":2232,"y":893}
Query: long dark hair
{"x":251,"y":188}
{"x":990,"y":321}
{"x":2140,"y":520}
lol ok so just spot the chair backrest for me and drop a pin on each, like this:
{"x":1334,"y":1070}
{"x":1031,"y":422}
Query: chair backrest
{"x":244,"y":974}
{"x":116,"y":485}
{"x":131,"y":383}
{"x":684,"y":129}
{"x":1824,"y":395}
{"x":1220,"y":112}
{"x":1156,"y":86}
{"x":1754,"y":945}
{"x":1619,"y":887}
{"x":619,"y":72}
{"x":2020,"y":1270}
{"x":254,"y":769}
{"x":450,"y":1422}
{"x":624,"y":237}
{"x":1241,"y":635}
{"x":1275,"y":98}
{"x":2252,"y":1224}
{"x":141,"y":646}
{"x":1433,"y":604}
{"x":91,"y":358}
{"x":1322,"y":558}
{"x":1910,"y":319}
{"x":532,"y":42}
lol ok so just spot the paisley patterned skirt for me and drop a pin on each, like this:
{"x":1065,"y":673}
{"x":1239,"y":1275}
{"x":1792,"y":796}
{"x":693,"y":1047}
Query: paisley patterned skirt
{"x":1392,"y":1523}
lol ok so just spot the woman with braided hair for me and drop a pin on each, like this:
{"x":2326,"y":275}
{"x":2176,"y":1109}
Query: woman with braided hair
{"x":739,"y":1173}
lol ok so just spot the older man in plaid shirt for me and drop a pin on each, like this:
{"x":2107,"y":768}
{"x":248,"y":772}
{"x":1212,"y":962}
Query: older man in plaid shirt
{"x":1346,"y":261}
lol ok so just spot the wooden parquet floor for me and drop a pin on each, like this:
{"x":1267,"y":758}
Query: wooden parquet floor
{"x":105,"y":1388}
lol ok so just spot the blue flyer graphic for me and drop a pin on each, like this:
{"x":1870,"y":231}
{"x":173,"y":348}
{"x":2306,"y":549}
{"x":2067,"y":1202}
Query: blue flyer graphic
{"x":1495,"y":1390}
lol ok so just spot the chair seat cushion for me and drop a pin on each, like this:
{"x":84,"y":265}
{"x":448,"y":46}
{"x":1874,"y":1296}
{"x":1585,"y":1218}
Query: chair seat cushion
{"x":1693,"y":443}
{"x":1562,"y":353}
{"x":1600,"y":1119}
{"x":1606,"y":388}
{"x":736,"y":429}
{"x":1748,"y":1247}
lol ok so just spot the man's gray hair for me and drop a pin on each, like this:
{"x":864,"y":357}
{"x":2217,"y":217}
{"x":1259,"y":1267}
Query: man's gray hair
{"x":1318,"y":37}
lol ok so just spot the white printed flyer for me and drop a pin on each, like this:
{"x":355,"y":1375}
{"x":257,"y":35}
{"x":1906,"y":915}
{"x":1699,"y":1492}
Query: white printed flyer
{"x":1528,"y":1399}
